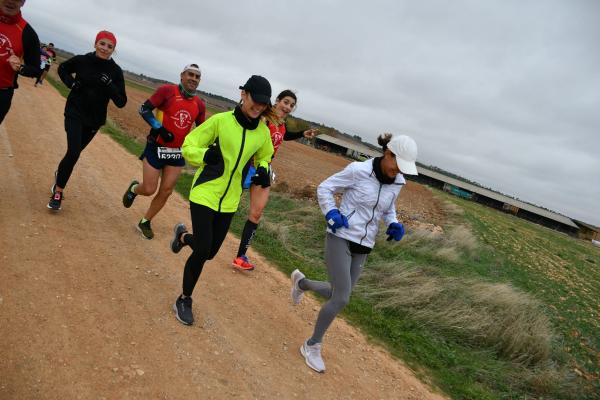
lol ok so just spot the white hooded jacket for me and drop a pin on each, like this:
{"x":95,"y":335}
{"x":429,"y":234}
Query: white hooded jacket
{"x":365,"y":201}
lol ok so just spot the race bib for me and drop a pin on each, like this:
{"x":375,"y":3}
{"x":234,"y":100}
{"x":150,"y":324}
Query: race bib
{"x":168,"y":153}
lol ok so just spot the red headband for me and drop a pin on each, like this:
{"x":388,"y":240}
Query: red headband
{"x":106,"y":35}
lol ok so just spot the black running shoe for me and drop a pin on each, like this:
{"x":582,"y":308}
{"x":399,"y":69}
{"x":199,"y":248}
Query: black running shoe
{"x":183,"y":310}
{"x":145,"y":229}
{"x":129,"y":196}
{"x":176,"y":244}
{"x":55,"y":200}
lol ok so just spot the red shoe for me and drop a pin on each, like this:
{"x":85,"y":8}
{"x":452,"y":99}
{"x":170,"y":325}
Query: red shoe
{"x":242,"y":263}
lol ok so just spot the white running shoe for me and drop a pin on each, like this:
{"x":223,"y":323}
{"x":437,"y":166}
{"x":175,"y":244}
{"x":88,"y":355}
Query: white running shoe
{"x":296,"y":292}
{"x":312,"y":356}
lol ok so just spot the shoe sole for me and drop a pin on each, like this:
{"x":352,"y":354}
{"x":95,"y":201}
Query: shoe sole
{"x":52,"y":208}
{"x":176,"y":237}
{"x":306,"y":361}
{"x":177,"y":316}
{"x":294,"y":284}
{"x":142,"y":233}
{"x":242,"y":268}
{"x":134,"y":182}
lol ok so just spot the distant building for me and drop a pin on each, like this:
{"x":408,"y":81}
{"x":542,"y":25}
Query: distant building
{"x":345,"y":147}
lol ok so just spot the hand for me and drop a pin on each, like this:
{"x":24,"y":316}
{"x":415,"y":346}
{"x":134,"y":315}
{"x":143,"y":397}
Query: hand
{"x":165,"y":134}
{"x":14,"y":61}
{"x":310,"y":133}
{"x":261,"y":178}
{"x":76,"y":85}
{"x":395,"y":231}
{"x":213,"y":155}
{"x":335,"y":220}
{"x":105,"y":79}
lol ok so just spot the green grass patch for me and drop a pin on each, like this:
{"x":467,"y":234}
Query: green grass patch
{"x":486,"y":262}
{"x":139,"y":86}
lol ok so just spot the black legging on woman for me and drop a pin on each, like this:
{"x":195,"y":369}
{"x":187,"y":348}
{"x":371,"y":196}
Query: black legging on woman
{"x":78,"y":137}
{"x":210,"y":228}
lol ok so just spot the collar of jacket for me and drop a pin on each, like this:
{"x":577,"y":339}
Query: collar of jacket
{"x":92,"y":55}
{"x":245,"y":121}
{"x":381,"y":177}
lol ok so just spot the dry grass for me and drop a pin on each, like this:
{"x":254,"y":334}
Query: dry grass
{"x":450,"y":245}
{"x":492,"y":316}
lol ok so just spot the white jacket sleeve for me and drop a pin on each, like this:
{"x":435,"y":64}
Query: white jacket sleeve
{"x":389,"y":216}
{"x":336,"y":183}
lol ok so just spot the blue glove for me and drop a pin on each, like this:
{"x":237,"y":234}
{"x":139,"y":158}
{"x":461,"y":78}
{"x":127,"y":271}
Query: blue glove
{"x":395,"y":231}
{"x":335,"y":220}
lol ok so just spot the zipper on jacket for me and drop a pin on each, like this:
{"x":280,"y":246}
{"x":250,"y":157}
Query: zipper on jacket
{"x":372,"y":214}
{"x":237,"y":162}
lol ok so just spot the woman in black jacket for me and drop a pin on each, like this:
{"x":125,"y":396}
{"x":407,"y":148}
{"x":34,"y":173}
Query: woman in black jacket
{"x":94,"y":79}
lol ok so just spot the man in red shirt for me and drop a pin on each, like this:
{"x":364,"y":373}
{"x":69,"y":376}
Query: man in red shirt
{"x":178,"y":108}
{"x":19,"y":51}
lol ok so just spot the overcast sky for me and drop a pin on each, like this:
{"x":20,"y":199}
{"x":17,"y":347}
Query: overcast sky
{"x":505,"y":93}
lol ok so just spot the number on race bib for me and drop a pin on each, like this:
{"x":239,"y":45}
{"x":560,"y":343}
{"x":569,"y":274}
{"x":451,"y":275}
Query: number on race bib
{"x":168,"y":153}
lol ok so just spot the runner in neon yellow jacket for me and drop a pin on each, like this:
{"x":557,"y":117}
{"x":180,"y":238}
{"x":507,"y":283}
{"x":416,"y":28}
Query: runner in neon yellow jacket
{"x":219,"y":186}
{"x":222,"y":148}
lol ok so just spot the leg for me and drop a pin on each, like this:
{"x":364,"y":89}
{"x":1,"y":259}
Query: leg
{"x":169,"y":178}
{"x":340,"y":264}
{"x":6,"y":96}
{"x":259,"y":197}
{"x":78,"y":137}
{"x":210,"y":229}
{"x":150,"y":179}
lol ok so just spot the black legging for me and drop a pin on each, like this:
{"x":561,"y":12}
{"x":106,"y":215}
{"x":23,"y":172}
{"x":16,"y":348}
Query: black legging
{"x":6,"y":96}
{"x":210,"y":228}
{"x":78,"y":137}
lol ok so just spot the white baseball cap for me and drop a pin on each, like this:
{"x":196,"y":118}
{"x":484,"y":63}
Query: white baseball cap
{"x":192,"y":67}
{"x":405,"y":150}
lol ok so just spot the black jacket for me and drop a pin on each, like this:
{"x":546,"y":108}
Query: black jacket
{"x":89,"y":97}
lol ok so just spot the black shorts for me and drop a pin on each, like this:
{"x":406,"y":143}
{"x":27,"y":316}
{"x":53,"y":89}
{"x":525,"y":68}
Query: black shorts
{"x":47,"y":67}
{"x":159,"y":161}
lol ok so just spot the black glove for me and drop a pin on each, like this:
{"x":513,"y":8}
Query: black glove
{"x":261,"y":178}
{"x":213,"y":155}
{"x":76,"y":85}
{"x":165,"y":134}
{"x":105,"y":79}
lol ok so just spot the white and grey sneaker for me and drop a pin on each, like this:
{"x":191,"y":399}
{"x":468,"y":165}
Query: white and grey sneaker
{"x":312,"y":356}
{"x":296,"y":292}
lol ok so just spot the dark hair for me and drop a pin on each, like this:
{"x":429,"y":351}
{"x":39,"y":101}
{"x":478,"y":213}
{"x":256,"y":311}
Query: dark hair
{"x":383,"y":140}
{"x":50,"y":44}
{"x":287,"y":93}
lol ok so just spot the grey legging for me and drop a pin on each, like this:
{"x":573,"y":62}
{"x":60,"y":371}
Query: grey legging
{"x":343,"y":268}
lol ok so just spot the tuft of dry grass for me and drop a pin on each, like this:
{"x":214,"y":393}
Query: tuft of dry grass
{"x":450,"y":245}
{"x":493,"y":316}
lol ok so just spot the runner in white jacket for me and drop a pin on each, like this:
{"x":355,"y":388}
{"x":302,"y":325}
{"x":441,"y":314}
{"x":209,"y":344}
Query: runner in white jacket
{"x":370,"y":189}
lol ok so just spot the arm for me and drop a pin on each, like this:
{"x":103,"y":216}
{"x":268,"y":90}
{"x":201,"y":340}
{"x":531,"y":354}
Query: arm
{"x":67,"y":69}
{"x":31,"y":53}
{"x":389,"y":216}
{"x":201,"y":117}
{"x":264,"y":155}
{"x":293,"y":135}
{"x":197,"y":141}
{"x":148,"y":115}
{"x":117,"y":90}
{"x":336,"y":183}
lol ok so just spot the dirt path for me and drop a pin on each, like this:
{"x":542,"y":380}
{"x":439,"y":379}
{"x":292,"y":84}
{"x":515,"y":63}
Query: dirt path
{"x":85,"y":302}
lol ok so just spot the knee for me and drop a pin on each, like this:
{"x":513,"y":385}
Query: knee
{"x":165,"y":192}
{"x":145,"y":189}
{"x":339,"y":302}
{"x":254,"y":215}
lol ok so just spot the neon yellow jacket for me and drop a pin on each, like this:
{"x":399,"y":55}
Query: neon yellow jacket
{"x":219,"y":186}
